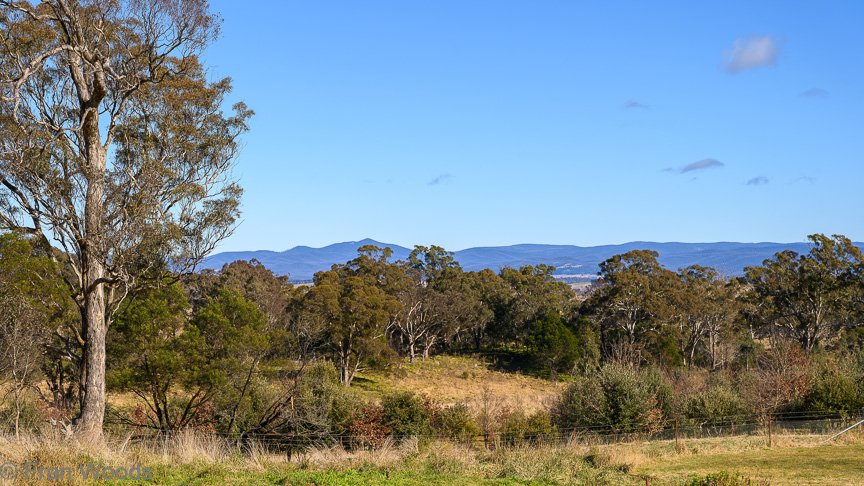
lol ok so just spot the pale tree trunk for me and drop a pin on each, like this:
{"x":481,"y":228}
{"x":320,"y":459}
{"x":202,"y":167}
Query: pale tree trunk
{"x":95,"y":321}
{"x":17,"y":412}
{"x":411,"y":352}
{"x":428,"y":346}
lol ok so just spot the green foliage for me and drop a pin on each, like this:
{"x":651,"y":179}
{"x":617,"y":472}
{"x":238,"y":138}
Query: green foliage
{"x":34,"y":313}
{"x":352,"y":300}
{"x":718,"y":400}
{"x":456,"y":422}
{"x":807,"y":297}
{"x":529,"y":294}
{"x":835,"y":388}
{"x":588,"y":344}
{"x":553,"y":345}
{"x":630,"y":295}
{"x":308,"y":404}
{"x":616,"y":395}
{"x":179,"y":368}
{"x":406,"y":414}
{"x":518,"y":428}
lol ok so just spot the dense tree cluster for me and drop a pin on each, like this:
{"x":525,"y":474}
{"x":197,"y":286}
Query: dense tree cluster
{"x":243,"y":352}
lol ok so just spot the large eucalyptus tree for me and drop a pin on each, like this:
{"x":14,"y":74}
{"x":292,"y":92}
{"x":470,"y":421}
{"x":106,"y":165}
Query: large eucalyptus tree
{"x":114,"y":148}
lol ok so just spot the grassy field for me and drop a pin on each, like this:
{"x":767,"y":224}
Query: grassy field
{"x":195,"y":460}
{"x":823,"y":465}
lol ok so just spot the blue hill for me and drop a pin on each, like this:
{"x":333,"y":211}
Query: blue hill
{"x":573,"y":263}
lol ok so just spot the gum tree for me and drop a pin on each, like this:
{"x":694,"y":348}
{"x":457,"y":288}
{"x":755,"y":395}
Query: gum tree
{"x":113,"y":147}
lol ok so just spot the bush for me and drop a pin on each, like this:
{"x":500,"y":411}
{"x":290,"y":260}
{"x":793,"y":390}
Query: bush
{"x":616,"y":395}
{"x":552,"y":345}
{"x":366,"y":428}
{"x":719,"y":399}
{"x":533,"y":429}
{"x":834,"y":390}
{"x":406,"y":414}
{"x":456,"y":422}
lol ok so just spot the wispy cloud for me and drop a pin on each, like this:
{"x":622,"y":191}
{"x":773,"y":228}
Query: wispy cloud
{"x":750,"y":52}
{"x":757,"y":181}
{"x":814,"y":93}
{"x":635,"y":105}
{"x":702,"y":164}
{"x":441,"y":179}
{"x":809,"y":179}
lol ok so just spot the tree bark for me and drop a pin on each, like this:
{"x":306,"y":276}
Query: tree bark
{"x":89,"y":424}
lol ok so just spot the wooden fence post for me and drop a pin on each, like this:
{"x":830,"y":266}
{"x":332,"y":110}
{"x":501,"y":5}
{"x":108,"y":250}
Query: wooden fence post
{"x":769,"y":431}
{"x":676,"y":435}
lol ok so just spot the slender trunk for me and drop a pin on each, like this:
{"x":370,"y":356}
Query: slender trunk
{"x":713,"y":338}
{"x":242,"y":395}
{"x":17,"y":412}
{"x":428,"y":346}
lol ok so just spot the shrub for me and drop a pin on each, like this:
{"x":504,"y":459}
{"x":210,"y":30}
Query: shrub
{"x":456,"y":422}
{"x":719,"y":399}
{"x":616,"y":395}
{"x":835,"y":390}
{"x":533,"y":429}
{"x":406,"y":414}
{"x":366,"y":428}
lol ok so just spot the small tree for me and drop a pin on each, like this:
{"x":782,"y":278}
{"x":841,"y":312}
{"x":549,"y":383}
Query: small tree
{"x":782,"y":376}
{"x":30,"y":297}
{"x":352,"y":301}
{"x":179,"y":368}
{"x":553,"y":345}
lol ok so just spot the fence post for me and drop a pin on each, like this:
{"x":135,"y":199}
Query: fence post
{"x":769,"y":431}
{"x":676,"y":435}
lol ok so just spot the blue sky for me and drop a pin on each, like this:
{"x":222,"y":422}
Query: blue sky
{"x":485,"y":123}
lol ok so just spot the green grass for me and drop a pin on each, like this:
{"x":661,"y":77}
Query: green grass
{"x":830,"y":464}
{"x":195,"y":476}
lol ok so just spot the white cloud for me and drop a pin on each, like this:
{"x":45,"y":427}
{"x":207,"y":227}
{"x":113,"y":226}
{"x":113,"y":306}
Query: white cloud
{"x":750,"y":52}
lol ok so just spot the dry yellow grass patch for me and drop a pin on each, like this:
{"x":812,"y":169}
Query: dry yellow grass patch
{"x":465,"y":380}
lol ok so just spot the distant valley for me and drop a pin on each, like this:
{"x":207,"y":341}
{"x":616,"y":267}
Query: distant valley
{"x":572,"y":263}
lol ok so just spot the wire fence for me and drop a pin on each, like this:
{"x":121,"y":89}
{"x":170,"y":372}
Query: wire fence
{"x":802,"y":423}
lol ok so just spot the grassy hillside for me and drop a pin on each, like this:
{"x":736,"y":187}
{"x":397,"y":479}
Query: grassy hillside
{"x":469,"y":380}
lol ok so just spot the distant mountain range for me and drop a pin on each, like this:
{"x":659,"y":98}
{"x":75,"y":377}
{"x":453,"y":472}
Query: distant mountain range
{"x":572,"y":263}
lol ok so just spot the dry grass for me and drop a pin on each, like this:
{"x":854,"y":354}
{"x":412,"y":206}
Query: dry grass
{"x":190,"y":458}
{"x":462,"y":380}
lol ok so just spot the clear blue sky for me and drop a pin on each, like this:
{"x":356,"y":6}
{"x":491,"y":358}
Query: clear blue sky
{"x":481,"y":123}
